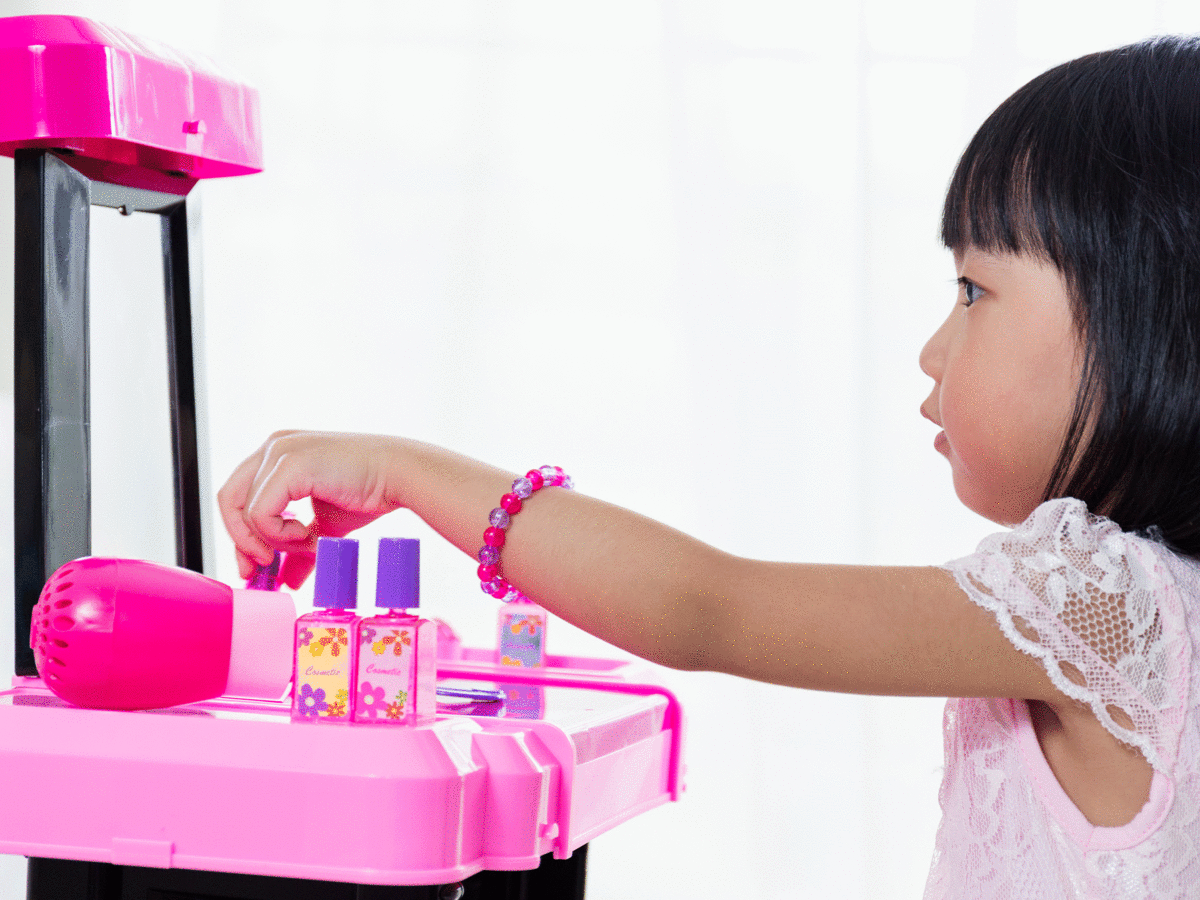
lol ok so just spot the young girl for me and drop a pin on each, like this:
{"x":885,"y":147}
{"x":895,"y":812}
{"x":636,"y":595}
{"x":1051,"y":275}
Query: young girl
{"x":1066,"y":380}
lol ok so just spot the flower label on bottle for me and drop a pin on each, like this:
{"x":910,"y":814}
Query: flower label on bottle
{"x":323,"y":658}
{"x":522,"y":638}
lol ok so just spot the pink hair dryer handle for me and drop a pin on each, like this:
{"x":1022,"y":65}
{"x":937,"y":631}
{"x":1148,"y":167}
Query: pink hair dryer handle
{"x":130,"y":634}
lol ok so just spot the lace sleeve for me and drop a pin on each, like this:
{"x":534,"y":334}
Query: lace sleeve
{"x":1102,"y":612}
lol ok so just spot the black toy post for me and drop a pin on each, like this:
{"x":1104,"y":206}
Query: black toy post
{"x":186,"y":420}
{"x":51,"y":478}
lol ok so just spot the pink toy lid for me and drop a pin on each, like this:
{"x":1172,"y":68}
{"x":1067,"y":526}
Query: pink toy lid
{"x":133,"y":111}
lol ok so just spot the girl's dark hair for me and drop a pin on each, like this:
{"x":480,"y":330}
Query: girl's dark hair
{"x":1095,"y":167}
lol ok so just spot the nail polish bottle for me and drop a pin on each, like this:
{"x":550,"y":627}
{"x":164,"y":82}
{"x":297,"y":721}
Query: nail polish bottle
{"x":266,"y":578}
{"x":397,"y":650}
{"x":322,"y":679}
{"x":522,"y":635}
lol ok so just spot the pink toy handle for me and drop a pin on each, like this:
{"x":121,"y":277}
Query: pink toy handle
{"x":672,"y":719}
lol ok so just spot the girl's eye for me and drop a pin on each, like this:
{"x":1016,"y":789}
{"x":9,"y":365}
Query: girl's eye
{"x":971,"y":291}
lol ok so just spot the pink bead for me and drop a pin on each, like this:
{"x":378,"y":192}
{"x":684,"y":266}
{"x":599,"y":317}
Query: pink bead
{"x":487,"y":573}
{"x":511,"y":504}
{"x":535,"y":478}
{"x":494,"y":537}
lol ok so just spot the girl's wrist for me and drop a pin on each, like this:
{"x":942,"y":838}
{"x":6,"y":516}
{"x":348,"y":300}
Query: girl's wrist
{"x":451,"y":493}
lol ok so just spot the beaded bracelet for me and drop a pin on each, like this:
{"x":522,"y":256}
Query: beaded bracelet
{"x":500,"y":518}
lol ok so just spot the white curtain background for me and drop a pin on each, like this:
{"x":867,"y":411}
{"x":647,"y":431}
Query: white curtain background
{"x":686,"y":250}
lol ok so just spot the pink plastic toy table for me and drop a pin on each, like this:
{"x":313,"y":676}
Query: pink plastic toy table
{"x":231,"y":789}
{"x":235,"y":786}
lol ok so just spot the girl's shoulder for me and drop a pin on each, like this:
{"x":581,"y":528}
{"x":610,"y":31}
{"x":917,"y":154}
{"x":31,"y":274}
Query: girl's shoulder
{"x":1104,"y":611}
{"x":1070,"y":559}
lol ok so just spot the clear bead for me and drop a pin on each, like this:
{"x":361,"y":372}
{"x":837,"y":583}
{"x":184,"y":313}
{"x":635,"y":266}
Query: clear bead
{"x":523,"y":488}
{"x":548,"y":474}
{"x":499,"y":518}
{"x":489,"y":556}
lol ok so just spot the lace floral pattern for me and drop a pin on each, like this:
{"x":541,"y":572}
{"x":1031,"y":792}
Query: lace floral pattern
{"x":1107,"y":614}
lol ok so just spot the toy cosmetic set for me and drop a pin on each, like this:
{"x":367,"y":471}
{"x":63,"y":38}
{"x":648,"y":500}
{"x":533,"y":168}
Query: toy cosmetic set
{"x":130,"y":634}
{"x":182,"y":724}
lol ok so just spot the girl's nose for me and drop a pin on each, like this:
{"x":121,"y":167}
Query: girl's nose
{"x":933,"y":354}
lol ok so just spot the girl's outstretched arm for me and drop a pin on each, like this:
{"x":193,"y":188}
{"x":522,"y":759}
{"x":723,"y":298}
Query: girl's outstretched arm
{"x":637,"y":583}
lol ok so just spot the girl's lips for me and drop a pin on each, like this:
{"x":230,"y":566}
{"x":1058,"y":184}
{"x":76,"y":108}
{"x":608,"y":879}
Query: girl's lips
{"x":941,"y":444}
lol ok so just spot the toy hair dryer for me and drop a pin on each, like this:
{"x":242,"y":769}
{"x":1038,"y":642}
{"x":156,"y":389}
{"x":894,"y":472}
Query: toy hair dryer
{"x":129,"y":634}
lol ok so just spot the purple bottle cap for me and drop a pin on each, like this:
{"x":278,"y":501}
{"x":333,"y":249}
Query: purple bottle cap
{"x":266,"y":578}
{"x":336,"y":586}
{"x":398,"y":581}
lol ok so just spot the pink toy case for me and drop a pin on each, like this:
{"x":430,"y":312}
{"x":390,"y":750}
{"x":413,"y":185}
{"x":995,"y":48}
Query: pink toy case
{"x":232,"y":785}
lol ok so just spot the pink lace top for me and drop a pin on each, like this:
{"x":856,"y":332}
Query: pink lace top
{"x":1113,"y":619}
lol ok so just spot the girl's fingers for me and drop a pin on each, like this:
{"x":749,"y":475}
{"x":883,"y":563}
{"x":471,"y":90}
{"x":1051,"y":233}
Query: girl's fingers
{"x":334,"y":471}
{"x":250,"y":534}
{"x":245,"y":564}
{"x":231,"y":500}
{"x":297,"y":566}
{"x":281,"y":479}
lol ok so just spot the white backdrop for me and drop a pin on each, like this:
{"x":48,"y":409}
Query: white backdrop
{"x":686,"y":250}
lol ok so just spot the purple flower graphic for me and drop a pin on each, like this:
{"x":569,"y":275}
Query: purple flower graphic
{"x":312,"y":702}
{"x":367,"y":636}
{"x":370,"y":699}
{"x":305,"y":637}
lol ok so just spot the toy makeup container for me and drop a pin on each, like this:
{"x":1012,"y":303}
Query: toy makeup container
{"x":397,"y":650}
{"x":323,"y":676}
{"x":521,"y":634}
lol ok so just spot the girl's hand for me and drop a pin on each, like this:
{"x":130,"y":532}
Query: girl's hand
{"x":344,"y":475}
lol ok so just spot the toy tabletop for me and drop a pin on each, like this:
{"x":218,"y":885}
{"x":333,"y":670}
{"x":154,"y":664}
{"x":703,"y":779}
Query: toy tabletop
{"x":131,"y":111}
{"x":236,"y":786}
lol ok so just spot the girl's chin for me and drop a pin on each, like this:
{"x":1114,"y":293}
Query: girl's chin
{"x":995,"y":506}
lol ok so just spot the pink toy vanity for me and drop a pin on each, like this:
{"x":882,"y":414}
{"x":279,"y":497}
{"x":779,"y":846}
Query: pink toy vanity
{"x":229,"y":798}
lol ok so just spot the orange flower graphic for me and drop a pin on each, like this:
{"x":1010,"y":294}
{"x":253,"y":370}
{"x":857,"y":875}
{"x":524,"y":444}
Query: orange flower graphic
{"x":397,"y":639}
{"x":335,"y":640}
{"x":527,"y":623}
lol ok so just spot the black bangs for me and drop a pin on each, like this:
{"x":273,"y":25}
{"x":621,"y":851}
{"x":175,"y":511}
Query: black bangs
{"x":992,"y":202}
{"x":1038,"y":177}
{"x":1094,"y":166}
